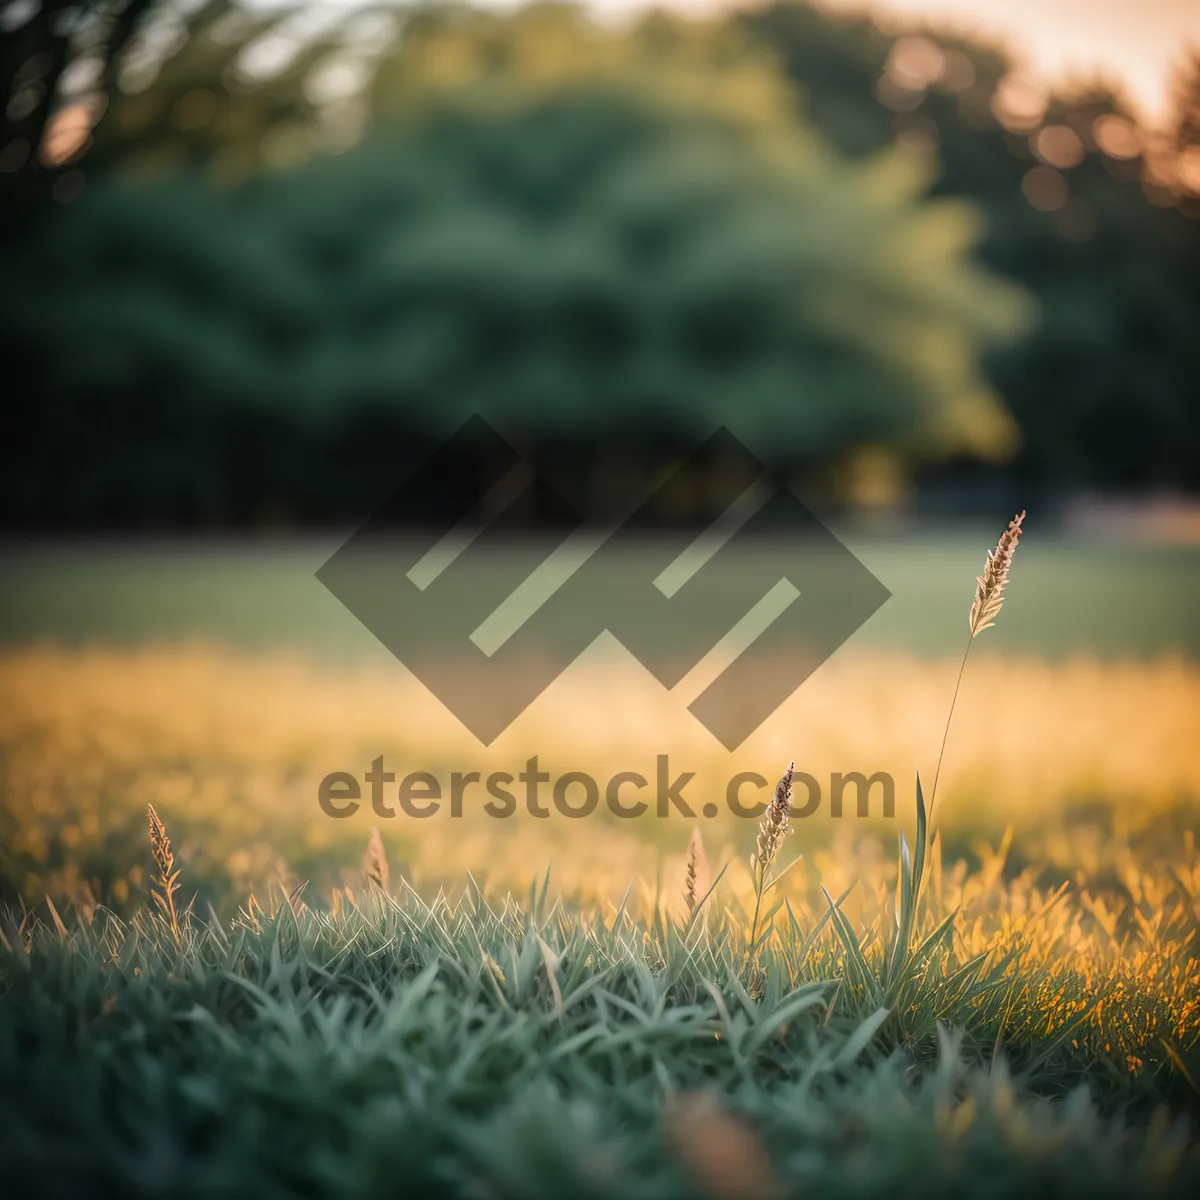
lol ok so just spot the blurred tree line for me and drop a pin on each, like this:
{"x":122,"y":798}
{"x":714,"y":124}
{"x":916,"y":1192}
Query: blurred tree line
{"x":1084,"y":208}
{"x":247,"y":256}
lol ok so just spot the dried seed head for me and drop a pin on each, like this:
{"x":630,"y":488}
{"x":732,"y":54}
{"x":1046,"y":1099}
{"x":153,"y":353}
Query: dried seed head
{"x":375,"y":863}
{"x":989,"y":589}
{"x":168,"y":878}
{"x":774,"y":826}
{"x":696,"y":882}
{"x":160,"y":843}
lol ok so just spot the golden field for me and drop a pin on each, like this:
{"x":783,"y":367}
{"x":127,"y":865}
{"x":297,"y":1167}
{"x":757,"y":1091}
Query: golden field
{"x":231,"y":748}
{"x":1064,"y":811}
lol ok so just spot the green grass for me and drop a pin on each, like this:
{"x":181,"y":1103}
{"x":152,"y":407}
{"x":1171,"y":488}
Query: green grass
{"x":477,"y":1046}
{"x":1021,"y":1021}
{"x":1106,"y":599}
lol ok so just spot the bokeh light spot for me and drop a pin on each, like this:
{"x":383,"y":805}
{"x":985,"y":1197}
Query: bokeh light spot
{"x":68,"y":134}
{"x":1059,"y":146}
{"x":915,"y":63}
{"x":1188,"y":169}
{"x":1117,"y":136}
{"x":1019,"y":105}
{"x":958,"y":73}
{"x":1045,"y":189}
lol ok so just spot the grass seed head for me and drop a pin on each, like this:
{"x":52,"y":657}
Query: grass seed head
{"x":774,"y":826}
{"x":375,"y":863}
{"x":168,"y":877}
{"x":160,"y":843}
{"x":989,"y":587}
{"x":696,"y":882}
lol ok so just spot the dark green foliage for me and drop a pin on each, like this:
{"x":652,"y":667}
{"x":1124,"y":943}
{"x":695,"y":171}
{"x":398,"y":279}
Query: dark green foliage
{"x":1105,"y":388}
{"x":36,"y":56}
{"x":582,"y":261}
{"x":605,"y":241}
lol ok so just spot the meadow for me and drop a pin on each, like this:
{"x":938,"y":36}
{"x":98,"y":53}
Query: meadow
{"x":253,"y":998}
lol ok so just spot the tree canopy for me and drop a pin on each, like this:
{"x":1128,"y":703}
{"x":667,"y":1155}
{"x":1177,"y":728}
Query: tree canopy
{"x":564,"y":228}
{"x":299,"y":245}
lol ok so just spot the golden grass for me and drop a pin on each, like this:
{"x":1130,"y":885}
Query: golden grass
{"x":231,"y":750}
{"x":1093,"y":922}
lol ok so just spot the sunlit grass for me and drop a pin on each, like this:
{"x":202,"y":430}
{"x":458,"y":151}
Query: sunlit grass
{"x":231,"y":749}
{"x":1036,"y":1012}
{"x":481,"y":1043}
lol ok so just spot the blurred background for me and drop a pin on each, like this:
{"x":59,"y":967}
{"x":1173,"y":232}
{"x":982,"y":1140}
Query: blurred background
{"x":249,"y":250}
{"x":937,"y":262}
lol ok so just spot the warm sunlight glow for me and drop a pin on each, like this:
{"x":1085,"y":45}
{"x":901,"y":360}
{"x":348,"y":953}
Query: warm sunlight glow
{"x":1116,"y":136}
{"x":1059,"y":146}
{"x":1135,"y":43}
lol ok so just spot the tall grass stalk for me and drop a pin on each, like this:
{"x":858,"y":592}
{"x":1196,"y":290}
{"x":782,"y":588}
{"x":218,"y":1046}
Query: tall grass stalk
{"x":989,"y":598}
{"x":771,"y":831}
{"x":167,"y":882}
